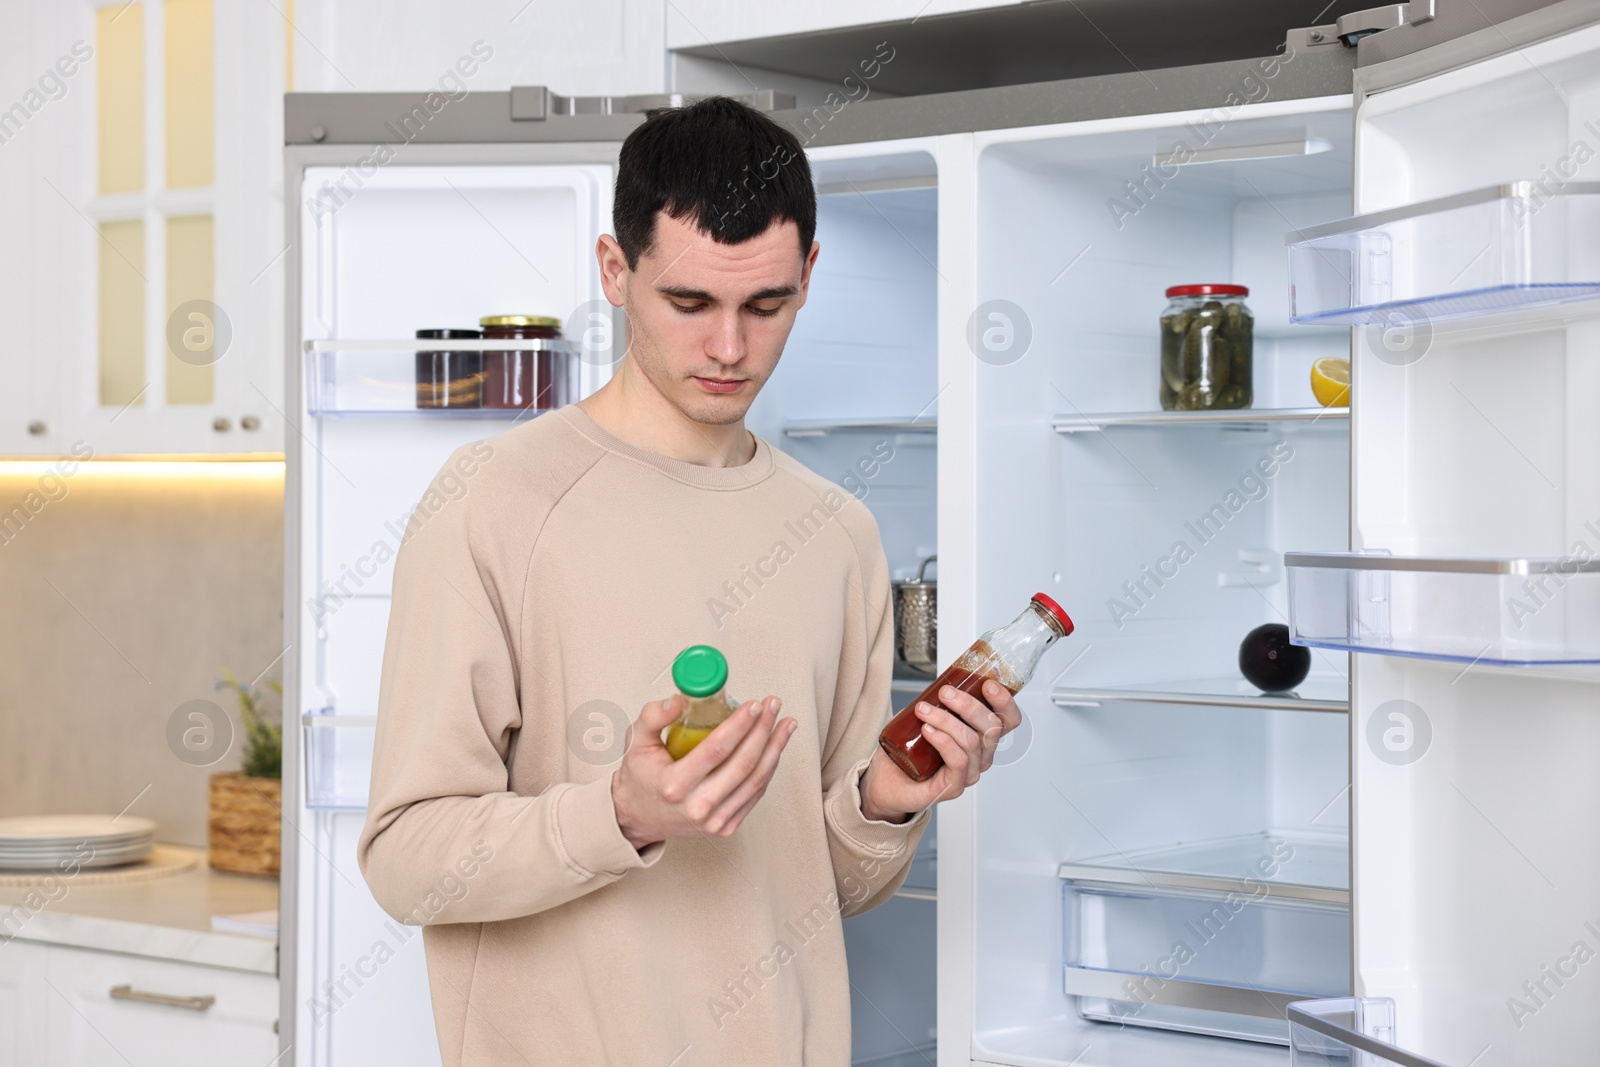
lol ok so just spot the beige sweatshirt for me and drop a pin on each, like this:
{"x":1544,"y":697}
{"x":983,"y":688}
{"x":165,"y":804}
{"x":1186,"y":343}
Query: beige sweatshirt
{"x":548,"y":579}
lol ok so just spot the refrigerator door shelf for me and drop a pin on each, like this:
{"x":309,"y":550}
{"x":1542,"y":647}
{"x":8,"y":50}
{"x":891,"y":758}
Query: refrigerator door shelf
{"x":338,"y":752}
{"x":1511,"y":612}
{"x":1486,"y":252}
{"x":381,"y":377}
{"x":1347,"y":1032}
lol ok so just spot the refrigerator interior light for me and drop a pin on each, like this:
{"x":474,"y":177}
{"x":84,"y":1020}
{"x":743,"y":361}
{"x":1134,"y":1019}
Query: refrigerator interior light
{"x":1183,"y":156}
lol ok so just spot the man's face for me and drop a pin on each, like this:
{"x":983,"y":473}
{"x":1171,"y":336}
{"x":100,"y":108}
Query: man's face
{"x":707,"y":321}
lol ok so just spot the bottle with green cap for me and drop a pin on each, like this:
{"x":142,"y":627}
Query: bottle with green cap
{"x":700,"y":672}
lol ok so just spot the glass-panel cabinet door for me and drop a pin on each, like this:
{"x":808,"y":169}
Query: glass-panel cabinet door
{"x":180,"y":268}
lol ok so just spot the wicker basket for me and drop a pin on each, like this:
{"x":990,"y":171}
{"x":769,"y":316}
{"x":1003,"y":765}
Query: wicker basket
{"x":244,"y":821}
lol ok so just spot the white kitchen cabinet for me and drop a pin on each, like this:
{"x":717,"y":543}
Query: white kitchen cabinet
{"x":108,"y":1010}
{"x":55,"y":220}
{"x":22,"y":990}
{"x":697,"y":22}
{"x":35,"y":219}
{"x":576,"y":47}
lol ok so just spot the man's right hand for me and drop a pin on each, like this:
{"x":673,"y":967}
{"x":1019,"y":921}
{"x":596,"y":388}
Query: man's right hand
{"x":707,"y":792}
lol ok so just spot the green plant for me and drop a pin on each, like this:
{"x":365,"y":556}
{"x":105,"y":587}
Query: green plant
{"x":263,"y":738}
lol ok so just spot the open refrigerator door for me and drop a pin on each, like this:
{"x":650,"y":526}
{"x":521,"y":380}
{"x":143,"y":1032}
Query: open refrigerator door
{"x":1469,"y":277}
{"x":435,"y":240}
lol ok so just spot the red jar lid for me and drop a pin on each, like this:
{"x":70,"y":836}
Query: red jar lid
{"x":1208,"y":290}
{"x":1055,"y":609}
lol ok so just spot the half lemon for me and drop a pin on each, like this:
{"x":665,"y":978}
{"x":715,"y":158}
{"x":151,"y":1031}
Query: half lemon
{"x":1330,"y":381}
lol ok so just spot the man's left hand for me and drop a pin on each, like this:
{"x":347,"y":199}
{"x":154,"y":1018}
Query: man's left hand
{"x":966,"y":735}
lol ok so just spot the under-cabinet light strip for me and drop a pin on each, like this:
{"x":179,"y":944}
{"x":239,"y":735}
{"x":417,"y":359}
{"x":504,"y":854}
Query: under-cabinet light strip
{"x":133,"y":469}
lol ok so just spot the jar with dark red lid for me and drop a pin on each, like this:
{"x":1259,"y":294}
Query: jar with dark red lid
{"x":1206,"y":348}
{"x":533,"y":377}
{"x":448,"y":379}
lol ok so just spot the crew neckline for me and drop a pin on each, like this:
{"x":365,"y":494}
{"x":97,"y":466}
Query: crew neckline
{"x":744,"y":476}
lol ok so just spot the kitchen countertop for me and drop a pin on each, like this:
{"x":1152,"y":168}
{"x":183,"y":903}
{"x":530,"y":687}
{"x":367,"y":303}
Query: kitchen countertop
{"x":167,"y":917}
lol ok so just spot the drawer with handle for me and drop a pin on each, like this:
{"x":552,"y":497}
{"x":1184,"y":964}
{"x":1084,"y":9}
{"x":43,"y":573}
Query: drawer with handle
{"x":106,"y":1008}
{"x":127,"y":992}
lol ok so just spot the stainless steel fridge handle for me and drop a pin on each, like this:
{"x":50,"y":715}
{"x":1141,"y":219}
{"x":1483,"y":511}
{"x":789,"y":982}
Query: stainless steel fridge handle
{"x":127,"y":992}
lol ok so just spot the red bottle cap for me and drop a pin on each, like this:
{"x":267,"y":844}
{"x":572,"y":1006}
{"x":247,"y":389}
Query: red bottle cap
{"x":1208,"y":290}
{"x":1055,"y":609}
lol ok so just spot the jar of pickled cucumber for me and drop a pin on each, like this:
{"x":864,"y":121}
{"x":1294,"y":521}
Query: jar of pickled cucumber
{"x":1205,"y":348}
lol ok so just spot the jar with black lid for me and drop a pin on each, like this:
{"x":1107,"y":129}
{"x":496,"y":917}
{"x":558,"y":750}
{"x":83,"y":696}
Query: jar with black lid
{"x":523,"y":377}
{"x":1206,"y":342}
{"x":448,"y":379}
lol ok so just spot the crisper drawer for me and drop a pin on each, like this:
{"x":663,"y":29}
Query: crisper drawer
{"x":1201,"y":952}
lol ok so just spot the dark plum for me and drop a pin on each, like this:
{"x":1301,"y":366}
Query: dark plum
{"x":1269,"y":662}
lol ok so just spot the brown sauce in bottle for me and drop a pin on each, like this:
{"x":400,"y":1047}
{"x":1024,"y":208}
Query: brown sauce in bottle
{"x":903,"y":739}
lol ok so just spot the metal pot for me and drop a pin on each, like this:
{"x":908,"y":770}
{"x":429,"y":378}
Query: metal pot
{"x":916,"y":623}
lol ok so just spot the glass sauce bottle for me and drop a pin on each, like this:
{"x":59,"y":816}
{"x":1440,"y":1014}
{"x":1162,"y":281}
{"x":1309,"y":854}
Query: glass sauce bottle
{"x":699,"y":672}
{"x":1008,"y":654}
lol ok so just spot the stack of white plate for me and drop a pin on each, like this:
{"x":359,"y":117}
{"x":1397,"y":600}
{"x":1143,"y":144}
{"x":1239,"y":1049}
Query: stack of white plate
{"x":67,"y":842}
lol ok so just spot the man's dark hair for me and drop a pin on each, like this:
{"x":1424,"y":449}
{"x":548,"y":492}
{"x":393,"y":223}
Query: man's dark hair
{"x":725,"y":167}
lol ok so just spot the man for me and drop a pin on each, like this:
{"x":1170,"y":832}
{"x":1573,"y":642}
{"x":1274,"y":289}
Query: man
{"x":587,"y":900}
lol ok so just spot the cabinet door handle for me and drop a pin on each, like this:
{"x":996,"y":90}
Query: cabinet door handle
{"x":127,"y":992}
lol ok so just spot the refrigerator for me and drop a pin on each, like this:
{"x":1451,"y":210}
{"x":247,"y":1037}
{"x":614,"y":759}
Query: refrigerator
{"x":1394,"y":863}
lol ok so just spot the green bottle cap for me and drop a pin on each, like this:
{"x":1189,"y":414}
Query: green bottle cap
{"x":699,"y":671}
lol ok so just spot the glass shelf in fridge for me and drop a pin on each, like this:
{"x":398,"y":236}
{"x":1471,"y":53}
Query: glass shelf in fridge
{"x":1325,"y":693}
{"x":387,"y":377}
{"x":1230,"y":418}
{"x":825,"y":427}
{"x":1501,"y":249}
{"x":1510,"y":612}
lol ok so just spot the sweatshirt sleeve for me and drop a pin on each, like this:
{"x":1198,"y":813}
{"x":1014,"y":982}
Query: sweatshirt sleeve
{"x":870,"y":857}
{"x":445,"y":839}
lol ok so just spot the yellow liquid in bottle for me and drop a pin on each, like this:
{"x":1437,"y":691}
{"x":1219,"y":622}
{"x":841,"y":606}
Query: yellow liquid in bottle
{"x":699,"y":718}
{"x":681,"y":739}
